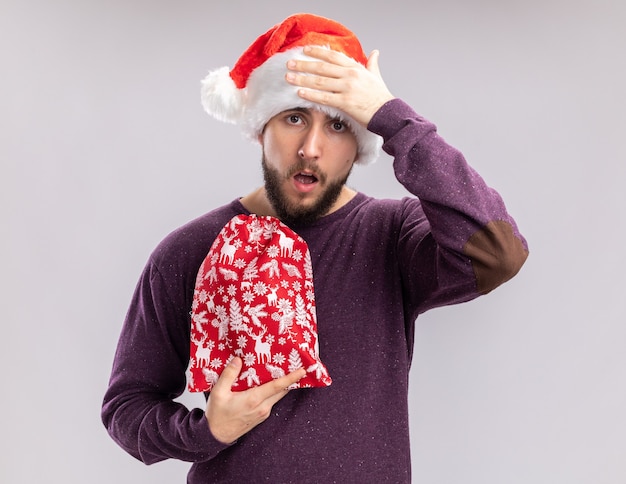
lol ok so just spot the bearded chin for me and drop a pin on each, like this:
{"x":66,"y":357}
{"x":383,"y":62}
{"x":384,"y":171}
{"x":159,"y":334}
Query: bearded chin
{"x":291,"y":213}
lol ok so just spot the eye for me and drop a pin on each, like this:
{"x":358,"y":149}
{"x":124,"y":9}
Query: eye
{"x":338,"y":125}
{"x":294,"y":118}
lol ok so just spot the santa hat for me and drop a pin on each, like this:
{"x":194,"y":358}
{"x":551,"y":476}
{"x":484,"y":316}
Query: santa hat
{"x":254,"y":299}
{"x":255,"y":89}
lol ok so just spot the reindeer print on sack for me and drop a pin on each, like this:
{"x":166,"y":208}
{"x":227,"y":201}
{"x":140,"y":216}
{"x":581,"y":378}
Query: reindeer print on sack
{"x":254,"y":299}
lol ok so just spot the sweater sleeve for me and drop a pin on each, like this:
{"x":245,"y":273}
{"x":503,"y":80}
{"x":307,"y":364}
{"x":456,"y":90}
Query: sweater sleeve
{"x":475,"y":242}
{"x":148,"y":373}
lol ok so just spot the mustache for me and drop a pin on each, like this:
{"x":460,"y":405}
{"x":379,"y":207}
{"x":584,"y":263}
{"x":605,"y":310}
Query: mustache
{"x":300,"y":165}
{"x":305,"y":166}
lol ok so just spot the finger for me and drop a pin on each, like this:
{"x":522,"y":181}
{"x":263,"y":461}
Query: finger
{"x":229,"y":375}
{"x":276,"y":397}
{"x":332,"y":56}
{"x":280,"y":386}
{"x":372,"y":62}
{"x":291,"y":378}
{"x":302,"y":68}
{"x":283,"y":383}
{"x":318,"y":83}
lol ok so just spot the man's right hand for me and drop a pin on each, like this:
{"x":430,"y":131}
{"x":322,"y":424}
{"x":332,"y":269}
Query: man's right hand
{"x":233,"y":414}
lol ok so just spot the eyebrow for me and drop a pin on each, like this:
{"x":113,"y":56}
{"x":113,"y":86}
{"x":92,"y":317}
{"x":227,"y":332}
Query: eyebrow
{"x":303,"y":110}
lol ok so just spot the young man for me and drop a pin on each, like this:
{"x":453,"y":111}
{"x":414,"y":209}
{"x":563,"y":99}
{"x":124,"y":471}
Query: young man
{"x":316,"y":104}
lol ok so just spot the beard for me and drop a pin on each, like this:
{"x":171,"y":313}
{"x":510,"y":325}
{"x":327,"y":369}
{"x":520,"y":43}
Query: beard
{"x":292,"y":213}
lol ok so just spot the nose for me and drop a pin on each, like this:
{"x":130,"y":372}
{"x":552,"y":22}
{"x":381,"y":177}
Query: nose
{"x":312,"y":142}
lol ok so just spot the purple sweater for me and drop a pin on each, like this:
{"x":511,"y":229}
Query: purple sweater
{"x":377,"y":265}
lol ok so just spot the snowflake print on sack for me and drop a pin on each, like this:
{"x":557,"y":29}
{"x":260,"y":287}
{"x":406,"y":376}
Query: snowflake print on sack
{"x":254,"y":299}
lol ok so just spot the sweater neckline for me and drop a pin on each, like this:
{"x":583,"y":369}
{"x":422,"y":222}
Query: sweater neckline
{"x":358,"y":199}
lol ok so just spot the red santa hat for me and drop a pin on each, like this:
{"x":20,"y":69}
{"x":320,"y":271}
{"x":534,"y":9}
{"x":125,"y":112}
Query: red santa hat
{"x":255,"y":89}
{"x":254,"y":298}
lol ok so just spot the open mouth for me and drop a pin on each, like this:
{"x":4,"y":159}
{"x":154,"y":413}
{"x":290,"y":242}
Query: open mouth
{"x":305,"y":178}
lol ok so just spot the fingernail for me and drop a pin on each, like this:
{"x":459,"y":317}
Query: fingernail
{"x":290,"y":76}
{"x":291,"y":64}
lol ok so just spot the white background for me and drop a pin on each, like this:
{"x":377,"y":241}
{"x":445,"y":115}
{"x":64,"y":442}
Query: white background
{"x":104,"y":149}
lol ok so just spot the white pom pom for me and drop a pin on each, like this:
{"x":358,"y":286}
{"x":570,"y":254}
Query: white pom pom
{"x":220,"y":97}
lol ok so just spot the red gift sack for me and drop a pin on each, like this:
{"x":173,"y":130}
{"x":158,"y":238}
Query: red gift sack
{"x":254,"y":299}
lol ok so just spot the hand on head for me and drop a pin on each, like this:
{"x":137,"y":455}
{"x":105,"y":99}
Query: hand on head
{"x":335,"y":80}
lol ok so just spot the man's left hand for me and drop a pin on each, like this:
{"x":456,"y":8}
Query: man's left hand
{"x":338,"y":81}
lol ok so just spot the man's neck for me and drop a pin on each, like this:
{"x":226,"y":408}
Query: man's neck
{"x":257,"y":202}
